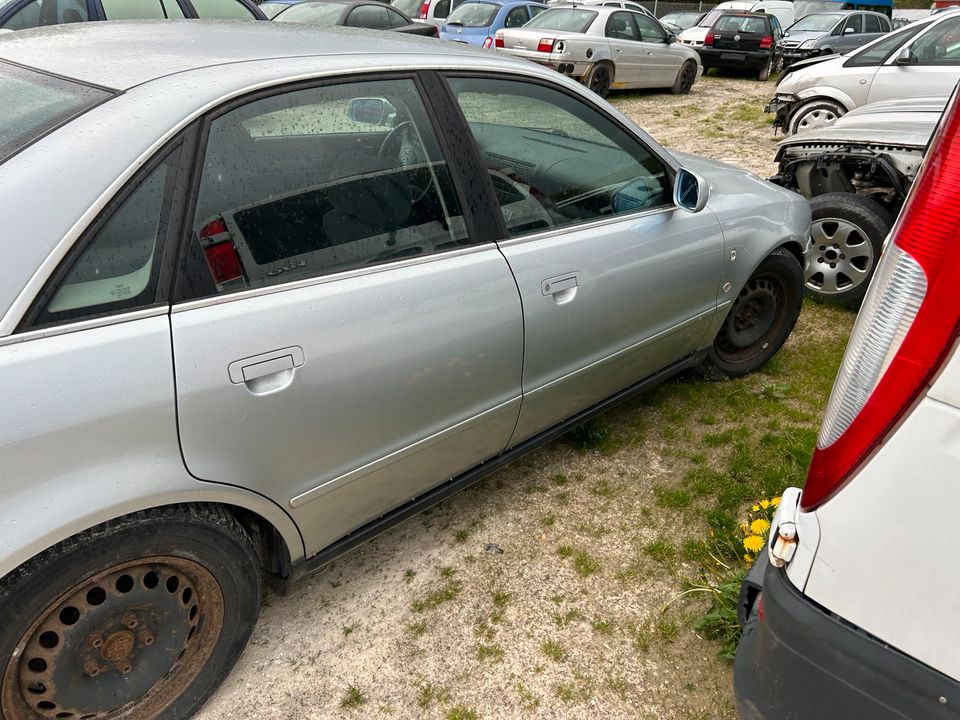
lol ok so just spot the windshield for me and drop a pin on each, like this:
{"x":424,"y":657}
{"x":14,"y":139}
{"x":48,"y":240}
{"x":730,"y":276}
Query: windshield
{"x":34,"y":103}
{"x":564,"y":19}
{"x":815,"y":23}
{"x":270,"y":9}
{"x":410,"y":8}
{"x":710,"y":18}
{"x":325,"y":14}
{"x":474,"y":14}
{"x":681,"y":19}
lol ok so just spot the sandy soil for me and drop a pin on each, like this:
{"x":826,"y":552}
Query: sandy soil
{"x":527,"y":596}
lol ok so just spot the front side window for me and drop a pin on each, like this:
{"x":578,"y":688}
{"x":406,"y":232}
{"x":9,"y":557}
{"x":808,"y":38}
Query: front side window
{"x":555,"y":161}
{"x":223,"y":9}
{"x":319,"y":181}
{"x":877,"y":52}
{"x":853,"y":24}
{"x":940,"y":46}
{"x":119,"y":268}
{"x":650,"y":30}
{"x":47,"y":12}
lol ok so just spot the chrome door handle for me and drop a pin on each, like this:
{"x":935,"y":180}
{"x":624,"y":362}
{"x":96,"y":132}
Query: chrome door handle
{"x":267,"y":372}
{"x":563,"y":288}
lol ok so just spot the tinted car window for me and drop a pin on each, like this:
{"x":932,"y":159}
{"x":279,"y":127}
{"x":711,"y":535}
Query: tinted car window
{"x":854,"y":23}
{"x":815,"y":23}
{"x":34,"y":103}
{"x":877,"y":52}
{"x":620,"y":26}
{"x":650,"y":30}
{"x":323,"y":14}
{"x":222,"y":9}
{"x":119,"y":268}
{"x":569,"y":20}
{"x":555,"y":161}
{"x":396,"y":19}
{"x":738,"y":23}
{"x":535,"y":10}
{"x":871,"y":24}
{"x":133,"y":9}
{"x":369,"y":16}
{"x":940,"y":46}
{"x":517,"y":17}
{"x":47,"y":12}
{"x":291,"y":190}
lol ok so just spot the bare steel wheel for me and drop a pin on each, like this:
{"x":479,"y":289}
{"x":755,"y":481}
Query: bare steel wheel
{"x":760,"y":318}
{"x":139,"y":638}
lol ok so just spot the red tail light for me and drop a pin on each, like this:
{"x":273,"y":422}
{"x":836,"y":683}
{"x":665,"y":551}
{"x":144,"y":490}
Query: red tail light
{"x":498,"y":41}
{"x":766,"y":42}
{"x":906,"y":327}
{"x":545,"y":45}
{"x":222,"y":257}
{"x":489,"y":41}
{"x":425,"y":10}
{"x":214,"y":227}
{"x":708,"y":40}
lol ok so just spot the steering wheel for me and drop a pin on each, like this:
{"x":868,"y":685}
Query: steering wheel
{"x":403,"y":146}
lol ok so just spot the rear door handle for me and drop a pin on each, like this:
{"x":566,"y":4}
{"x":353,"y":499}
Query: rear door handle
{"x":563,"y":288}
{"x":269,"y":363}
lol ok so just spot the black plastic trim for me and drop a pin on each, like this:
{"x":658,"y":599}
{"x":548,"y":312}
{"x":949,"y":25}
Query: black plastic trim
{"x":801,"y":662}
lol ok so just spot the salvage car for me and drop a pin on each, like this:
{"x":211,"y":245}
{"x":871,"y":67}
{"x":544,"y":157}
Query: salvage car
{"x":300,"y":291}
{"x":856,"y":173}
{"x":475,"y":22}
{"x":741,"y":40}
{"x":842,"y":616}
{"x":922,"y":59}
{"x":22,"y":14}
{"x":783,"y":10}
{"x":831,"y":33}
{"x":373,"y":15}
{"x":605,"y":49}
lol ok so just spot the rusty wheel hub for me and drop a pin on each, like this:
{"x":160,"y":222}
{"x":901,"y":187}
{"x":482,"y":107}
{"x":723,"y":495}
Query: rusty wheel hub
{"x":122,"y":644}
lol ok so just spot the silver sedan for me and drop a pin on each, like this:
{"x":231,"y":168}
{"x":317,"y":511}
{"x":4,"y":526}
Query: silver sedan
{"x":260,"y":300}
{"x":605,"y":48}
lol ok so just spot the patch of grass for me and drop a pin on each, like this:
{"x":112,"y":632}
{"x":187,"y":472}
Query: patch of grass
{"x":594,"y":434}
{"x":447,"y":571}
{"x":562,"y":619}
{"x":565,"y":551}
{"x":462,"y":712}
{"x":604,"y":489}
{"x":562,"y":497}
{"x":483,"y":631}
{"x":559,"y":479}
{"x":489,"y":652}
{"x":461,"y":536}
{"x":672,"y":497}
{"x":585,"y":564}
{"x":348,"y":629}
{"x":553,"y":650}
{"x":417,"y":629}
{"x":408,"y":575}
{"x":668,"y":629}
{"x":437,"y":597}
{"x":641,"y":635}
{"x":428,"y":693}
{"x":661,"y":550}
{"x":353,"y":698}
{"x":527,"y":698}
{"x":548,"y":520}
{"x":619,"y":686}
{"x":602,"y":627}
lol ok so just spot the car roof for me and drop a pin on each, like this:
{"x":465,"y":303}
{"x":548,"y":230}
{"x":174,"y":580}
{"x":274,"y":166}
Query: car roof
{"x":124,"y":54}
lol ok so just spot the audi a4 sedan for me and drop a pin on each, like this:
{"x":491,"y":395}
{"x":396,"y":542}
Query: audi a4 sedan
{"x":265,"y":293}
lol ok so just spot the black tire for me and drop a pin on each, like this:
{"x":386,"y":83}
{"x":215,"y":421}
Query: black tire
{"x":814,"y":114}
{"x":846,"y":236}
{"x":685,"y":78}
{"x":761,"y":318}
{"x":599,"y":79}
{"x":136,"y":619}
{"x":766,"y":70}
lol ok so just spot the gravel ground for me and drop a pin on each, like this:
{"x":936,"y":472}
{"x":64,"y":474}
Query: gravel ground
{"x":526,"y":596}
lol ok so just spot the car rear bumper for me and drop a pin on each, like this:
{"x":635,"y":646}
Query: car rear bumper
{"x":797,"y":661}
{"x":733,"y":58}
{"x":792,"y":56}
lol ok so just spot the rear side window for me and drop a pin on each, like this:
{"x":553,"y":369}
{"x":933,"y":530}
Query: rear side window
{"x":572,"y":20}
{"x":877,"y":52}
{"x":369,"y":16}
{"x":134,"y":9}
{"x":119,"y":268}
{"x":871,"y":24}
{"x":34,"y":103}
{"x":227,"y":9}
{"x":517,"y":17}
{"x":47,"y":12}
{"x":318,"y":181}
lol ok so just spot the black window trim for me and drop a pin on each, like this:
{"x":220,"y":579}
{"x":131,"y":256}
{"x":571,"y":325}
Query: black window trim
{"x":184,"y":143}
{"x":670,"y":166}
{"x":474,"y":229}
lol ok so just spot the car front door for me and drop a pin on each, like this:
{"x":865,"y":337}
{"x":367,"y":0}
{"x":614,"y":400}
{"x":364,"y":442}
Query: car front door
{"x":344,"y":338}
{"x":616,"y":282}
{"x":933,"y":67}
{"x":661,"y":62}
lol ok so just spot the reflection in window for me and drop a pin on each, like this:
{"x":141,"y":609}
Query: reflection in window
{"x":317,"y":181}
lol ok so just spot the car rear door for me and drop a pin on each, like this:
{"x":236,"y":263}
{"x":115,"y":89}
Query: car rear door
{"x":661,"y":62}
{"x":625,"y":48}
{"x":616,"y":282}
{"x":933,"y":68}
{"x":344,"y":336}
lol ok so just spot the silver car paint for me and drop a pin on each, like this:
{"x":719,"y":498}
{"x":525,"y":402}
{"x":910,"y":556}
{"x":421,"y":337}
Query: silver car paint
{"x":100,"y":475}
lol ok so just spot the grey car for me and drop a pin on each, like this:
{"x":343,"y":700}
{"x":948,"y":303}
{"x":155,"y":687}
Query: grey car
{"x":265,"y":293}
{"x":831,"y":33}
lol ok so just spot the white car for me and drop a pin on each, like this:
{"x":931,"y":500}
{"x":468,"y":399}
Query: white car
{"x":922,"y":59}
{"x":605,"y":48}
{"x":854,"y":611}
{"x":781,"y":9}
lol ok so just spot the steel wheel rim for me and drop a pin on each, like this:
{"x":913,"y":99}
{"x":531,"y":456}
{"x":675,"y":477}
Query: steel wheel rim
{"x":600,"y":79}
{"x":759,"y":308}
{"x":839,"y":257}
{"x":149,"y":623}
{"x":686,"y":78}
{"x":821,"y":117}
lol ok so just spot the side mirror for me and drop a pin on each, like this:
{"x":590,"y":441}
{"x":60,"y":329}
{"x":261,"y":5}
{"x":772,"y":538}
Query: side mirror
{"x":370,"y":111}
{"x":671,"y":38}
{"x":690,"y":191}
{"x":848,"y":31}
{"x":905,"y":57}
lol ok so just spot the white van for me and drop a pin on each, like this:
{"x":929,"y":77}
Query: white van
{"x":854,"y":611}
{"x":780,"y":9}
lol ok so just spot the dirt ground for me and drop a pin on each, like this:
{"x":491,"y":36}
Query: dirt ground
{"x":530,"y":595}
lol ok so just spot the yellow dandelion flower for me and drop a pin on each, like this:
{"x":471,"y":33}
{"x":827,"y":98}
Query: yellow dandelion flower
{"x":775,"y":501}
{"x":759,"y":526}
{"x":764,"y":504}
{"x":753,"y":543}
{"x":755,"y":508}
{"x":748,"y":559}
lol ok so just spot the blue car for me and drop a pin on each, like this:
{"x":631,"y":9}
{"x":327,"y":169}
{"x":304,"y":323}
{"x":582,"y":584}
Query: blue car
{"x":475,"y":22}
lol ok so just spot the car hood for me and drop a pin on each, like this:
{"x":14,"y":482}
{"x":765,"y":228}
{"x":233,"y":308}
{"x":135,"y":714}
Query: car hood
{"x":697,"y":33}
{"x":804,"y":35}
{"x":808,"y":73}
{"x":908,"y":122}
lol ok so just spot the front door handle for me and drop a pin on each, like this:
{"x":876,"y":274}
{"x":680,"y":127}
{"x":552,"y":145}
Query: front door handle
{"x":266,"y":372}
{"x":563,"y":288}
